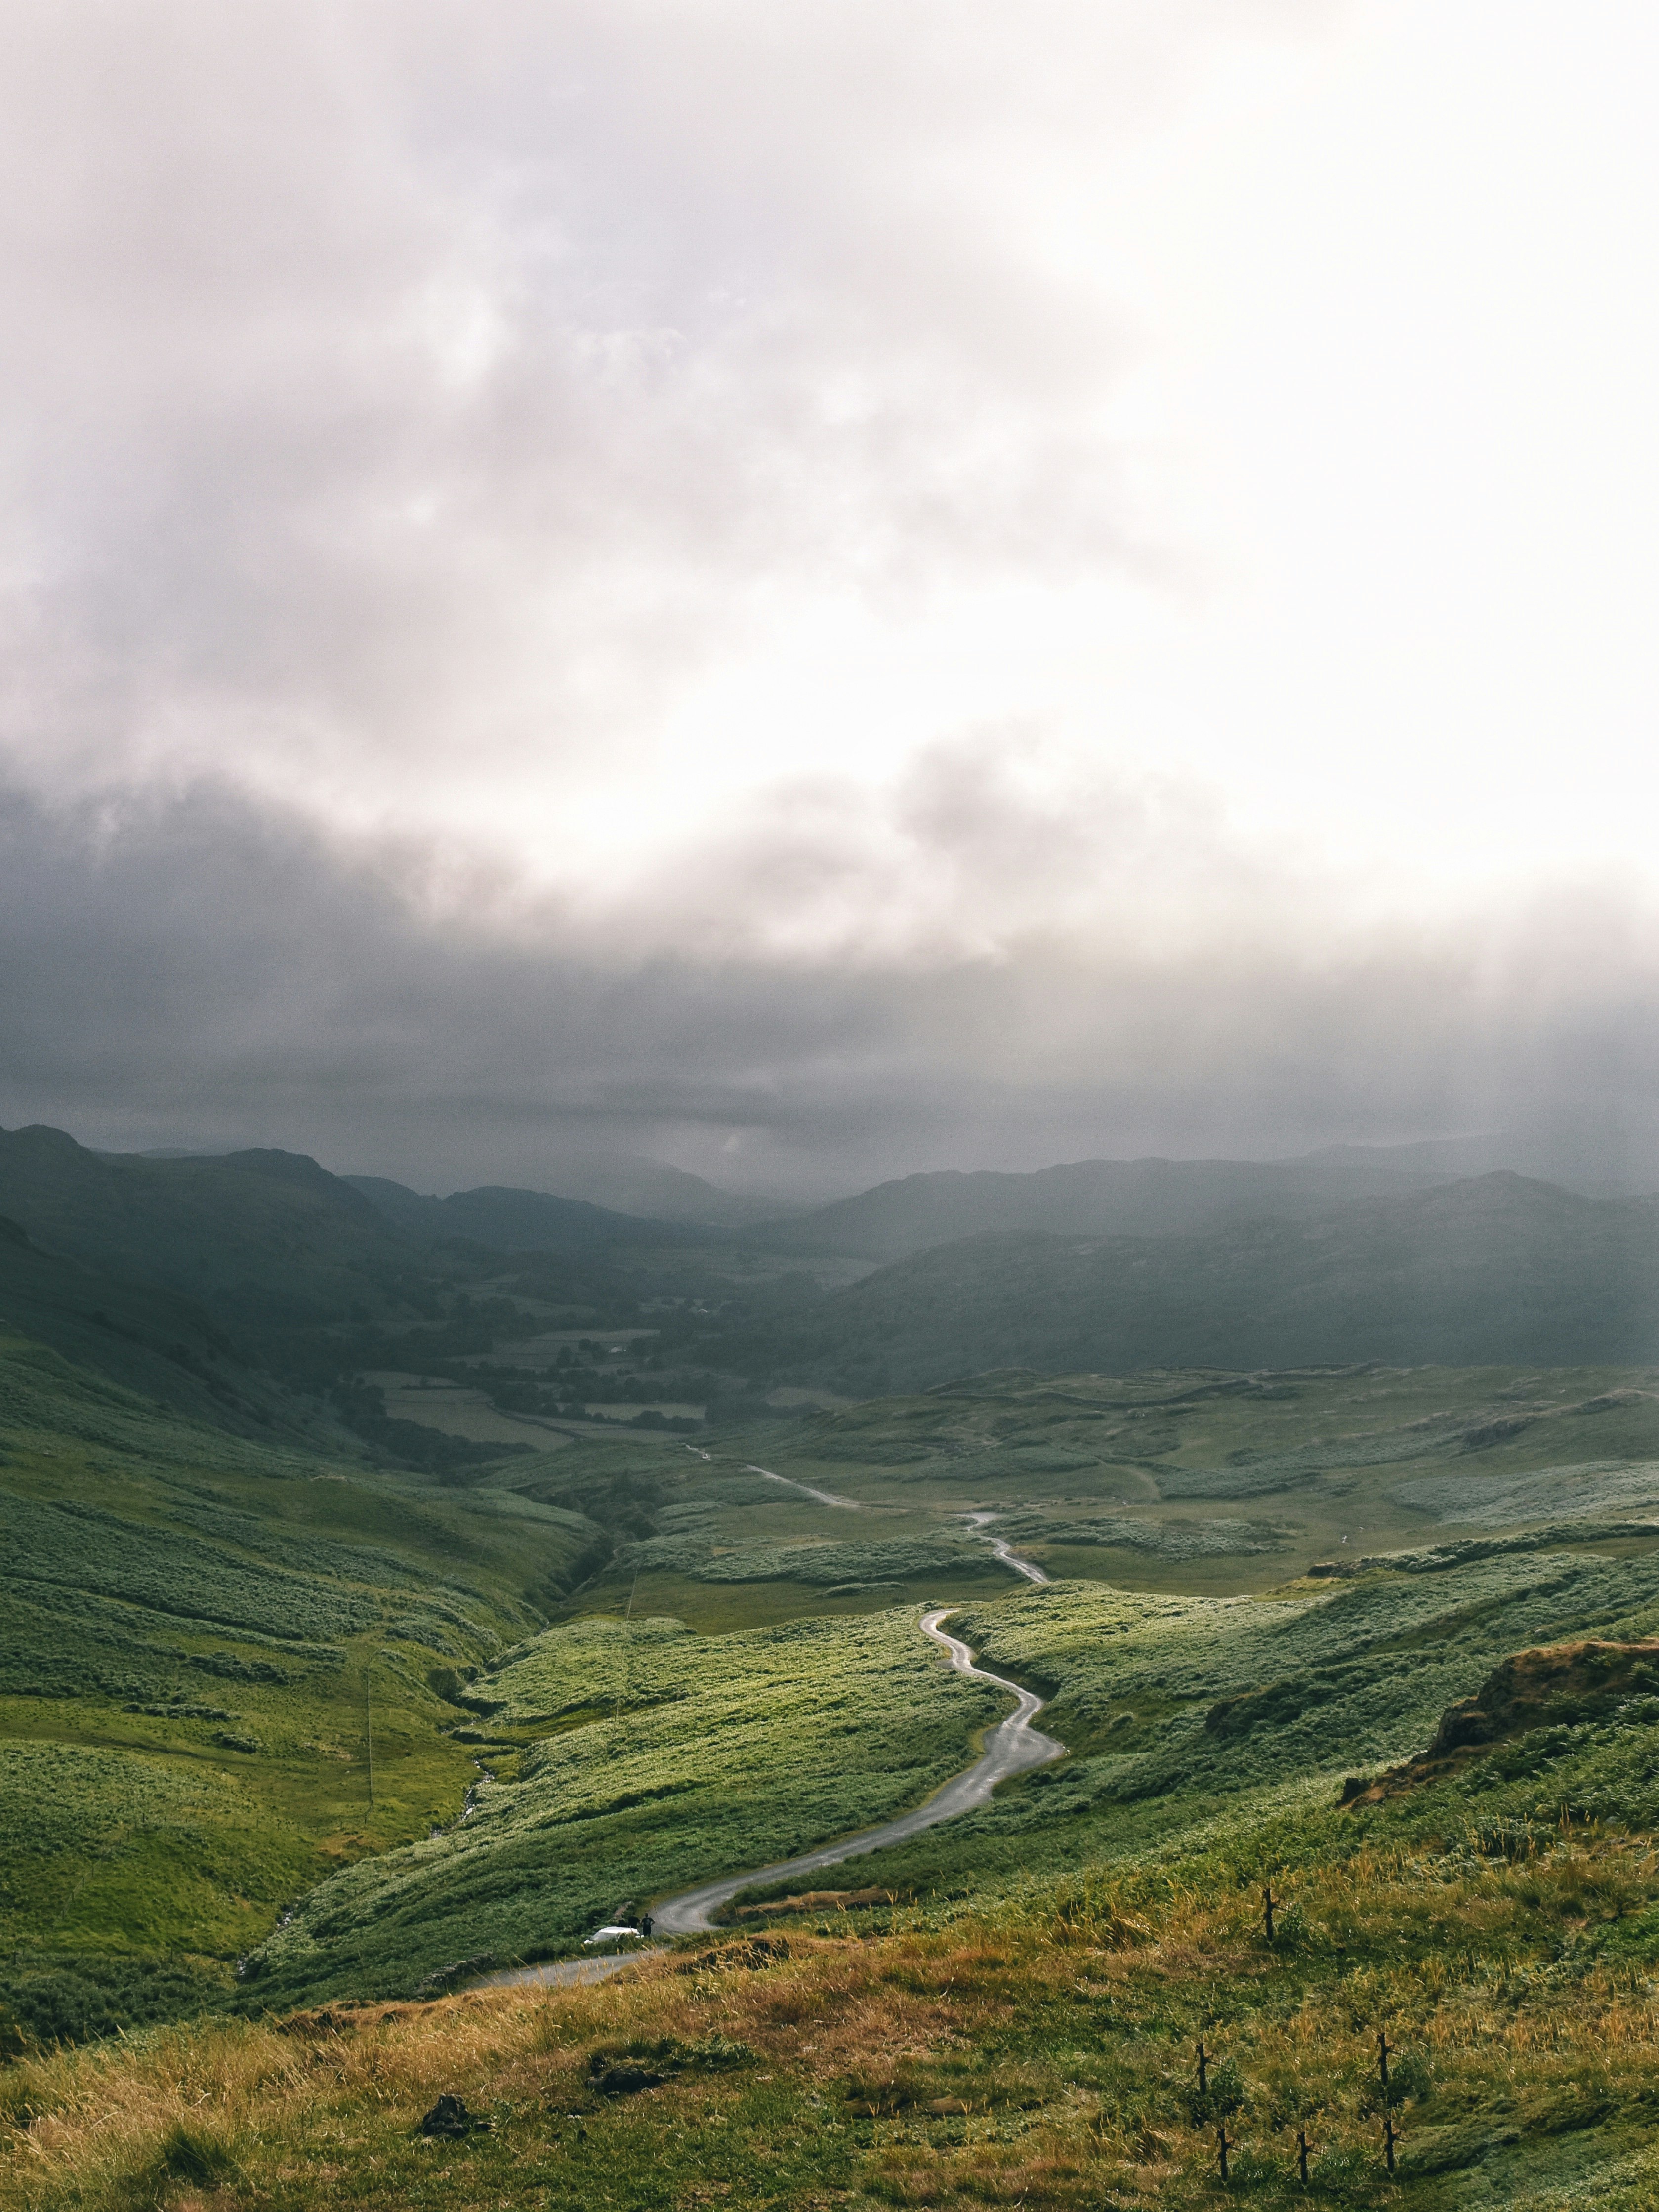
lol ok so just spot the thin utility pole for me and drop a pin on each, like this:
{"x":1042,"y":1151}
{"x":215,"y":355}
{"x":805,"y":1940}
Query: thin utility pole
{"x":368,"y":1724}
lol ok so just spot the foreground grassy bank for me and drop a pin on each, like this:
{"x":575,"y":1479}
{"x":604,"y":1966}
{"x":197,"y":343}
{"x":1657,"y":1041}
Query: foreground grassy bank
{"x":1037,"y":2049}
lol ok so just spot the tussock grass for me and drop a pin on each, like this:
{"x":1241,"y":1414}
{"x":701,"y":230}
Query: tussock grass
{"x":1035,"y":2050}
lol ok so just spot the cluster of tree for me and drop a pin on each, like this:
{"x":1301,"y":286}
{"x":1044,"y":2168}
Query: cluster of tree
{"x":362,"y":1406}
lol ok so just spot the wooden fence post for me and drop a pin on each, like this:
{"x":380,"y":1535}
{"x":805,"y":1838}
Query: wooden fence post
{"x":1224,"y":2144}
{"x":1203,"y":2069}
{"x":1302,"y":2148}
{"x":1390,"y":2138}
{"x":1269,"y":1902}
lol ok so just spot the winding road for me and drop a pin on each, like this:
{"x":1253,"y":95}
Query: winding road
{"x":1029,"y":1568}
{"x":825,"y":1497}
{"x":1012,"y":1747}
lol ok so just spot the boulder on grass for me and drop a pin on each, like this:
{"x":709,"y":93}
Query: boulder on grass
{"x":449,"y":2120}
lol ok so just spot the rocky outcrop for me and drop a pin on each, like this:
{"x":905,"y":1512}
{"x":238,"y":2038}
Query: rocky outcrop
{"x":1554,"y":1685}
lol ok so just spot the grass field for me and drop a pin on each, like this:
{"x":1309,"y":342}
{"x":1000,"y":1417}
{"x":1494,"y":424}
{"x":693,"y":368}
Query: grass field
{"x":1035,"y":2047}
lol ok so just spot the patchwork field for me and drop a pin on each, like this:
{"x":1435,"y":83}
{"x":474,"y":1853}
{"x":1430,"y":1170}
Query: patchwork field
{"x":460,"y":1413}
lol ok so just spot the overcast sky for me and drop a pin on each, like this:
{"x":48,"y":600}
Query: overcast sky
{"x":821,"y":591}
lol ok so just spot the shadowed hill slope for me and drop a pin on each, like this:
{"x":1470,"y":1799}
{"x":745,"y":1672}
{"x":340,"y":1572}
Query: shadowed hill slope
{"x":267,"y":1232}
{"x":1494,"y":1269}
{"x":149,"y":1340}
{"x":508,"y":1221}
{"x":1132,"y":1198}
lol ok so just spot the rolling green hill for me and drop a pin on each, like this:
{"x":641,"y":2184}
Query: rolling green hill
{"x":252,"y":1288}
{"x":257,"y":1236}
{"x":193,"y":1628}
{"x":657,"y":1757}
{"x":1496,"y":1509}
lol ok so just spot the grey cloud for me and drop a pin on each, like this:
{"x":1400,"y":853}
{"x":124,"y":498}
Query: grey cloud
{"x":409,"y":396}
{"x":381,"y":380}
{"x":201,"y":969}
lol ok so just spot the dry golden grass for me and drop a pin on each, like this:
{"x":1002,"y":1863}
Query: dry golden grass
{"x":1037,"y":2056}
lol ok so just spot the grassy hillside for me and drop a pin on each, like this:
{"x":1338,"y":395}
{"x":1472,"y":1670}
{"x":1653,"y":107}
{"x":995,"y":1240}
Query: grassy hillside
{"x":1497,"y":1269}
{"x":1034,"y":2042}
{"x":147,"y":1339}
{"x":193,"y":1620}
{"x":261,"y":1236}
{"x":201,"y":1637}
{"x":252,"y":1290}
{"x":656,"y":1757}
{"x":675,"y":1758}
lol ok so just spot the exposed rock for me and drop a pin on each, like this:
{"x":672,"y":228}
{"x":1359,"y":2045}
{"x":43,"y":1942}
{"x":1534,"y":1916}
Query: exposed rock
{"x":459,"y":1971}
{"x":449,"y":2120}
{"x":626,"y":2080}
{"x":1555,"y":1685}
{"x":759,"y":1951}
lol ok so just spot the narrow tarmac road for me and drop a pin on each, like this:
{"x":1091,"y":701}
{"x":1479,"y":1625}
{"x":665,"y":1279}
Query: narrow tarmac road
{"x":827,"y":1496}
{"x":1012,"y":1747}
{"x":1004,"y":1552}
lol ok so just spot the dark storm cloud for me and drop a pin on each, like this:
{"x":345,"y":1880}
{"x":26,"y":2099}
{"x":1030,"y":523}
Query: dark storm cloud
{"x":201,"y":970}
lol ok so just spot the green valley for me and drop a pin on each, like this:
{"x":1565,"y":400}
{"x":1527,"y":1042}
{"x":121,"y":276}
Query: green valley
{"x":314,"y":1713}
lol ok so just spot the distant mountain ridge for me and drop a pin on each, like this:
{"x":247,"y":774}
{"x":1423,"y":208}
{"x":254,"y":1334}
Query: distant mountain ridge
{"x":1133,"y":1198}
{"x":623,"y":1183}
{"x":519,"y":1221}
{"x":1495,"y":1269}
